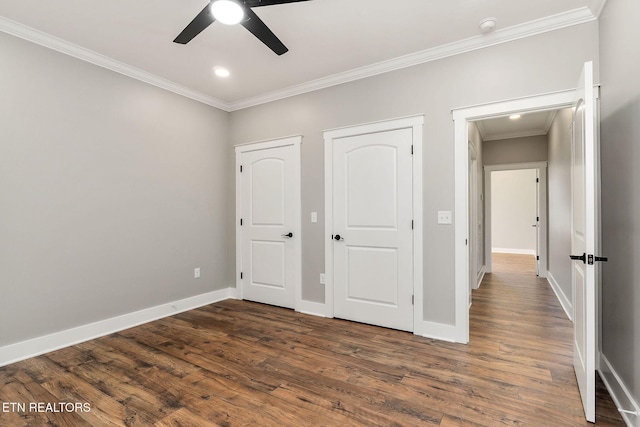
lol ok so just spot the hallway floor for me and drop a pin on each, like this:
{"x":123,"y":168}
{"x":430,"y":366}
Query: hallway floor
{"x":519,"y":313}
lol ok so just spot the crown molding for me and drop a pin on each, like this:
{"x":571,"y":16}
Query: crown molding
{"x":514,"y":135}
{"x":539,"y":26}
{"x":597,"y":6}
{"x":531,"y":28}
{"x":47,"y":40}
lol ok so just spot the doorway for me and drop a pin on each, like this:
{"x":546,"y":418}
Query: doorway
{"x":461,"y":118}
{"x":523,"y":212}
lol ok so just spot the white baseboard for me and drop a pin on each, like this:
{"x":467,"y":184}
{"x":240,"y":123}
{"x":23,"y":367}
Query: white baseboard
{"x":619,"y":393}
{"x":513,"y":251}
{"x":34,"y":347}
{"x":564,"y":301}
{"x":312,"y":308}
{"x":481,"y":274}
{"x":436,"y":331}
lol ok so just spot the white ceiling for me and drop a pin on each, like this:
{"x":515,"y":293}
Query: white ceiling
{"x":529,"y":124}
{"x":329,"y":41}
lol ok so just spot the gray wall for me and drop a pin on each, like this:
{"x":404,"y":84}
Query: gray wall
{"x":559,"y":195}
{"x":620,"y":151}
{"x":505,"y":71}
{"x":515,"y":150}
{"x":111,"y":192}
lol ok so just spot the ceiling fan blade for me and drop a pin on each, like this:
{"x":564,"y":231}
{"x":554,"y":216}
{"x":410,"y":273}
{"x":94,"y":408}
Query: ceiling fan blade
{"x":199,"y":23}
{"x":258,"y":3}
{"x":261,"y":31}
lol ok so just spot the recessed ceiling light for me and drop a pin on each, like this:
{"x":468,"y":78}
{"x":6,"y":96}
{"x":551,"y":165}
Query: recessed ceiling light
{"x":227,"y":11}
{"x":515,"y":116}
{"x":487,"y":25}
{"x":221,"y":72}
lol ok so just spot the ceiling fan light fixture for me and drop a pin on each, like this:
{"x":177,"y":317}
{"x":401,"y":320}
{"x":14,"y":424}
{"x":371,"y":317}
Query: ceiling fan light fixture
{"x":228,"y":12}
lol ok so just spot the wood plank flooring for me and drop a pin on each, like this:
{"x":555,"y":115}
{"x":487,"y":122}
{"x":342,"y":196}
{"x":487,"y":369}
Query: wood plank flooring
{"x":239,"y":363}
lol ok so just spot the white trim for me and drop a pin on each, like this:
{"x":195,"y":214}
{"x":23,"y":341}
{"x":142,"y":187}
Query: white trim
{"x":415,"y":123}
{"x":436,"y":331}
{"x":265,"y":143}
{"x":527,"y":29}
{"x":461,"y":116}
{"x":619,"y":392}
{"x":34,"y":347}
{"x":294,"y":141}
{"x":313,"y":308}
{"x":567,"y":306}
{"x":47,"y":40}
{"x":513,"y":135}
{"x":541,"y":167}
{"x":599,"y":7}
{"x":481,"y":274}
{"x":550,"y":23}
{"x":513,"y":251}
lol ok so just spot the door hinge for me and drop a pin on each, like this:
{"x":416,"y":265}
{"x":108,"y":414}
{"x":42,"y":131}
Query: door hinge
{"x":466,"y":242}
{"x":240,"y":168}
{"x":537,"y":179}
{"x":537,"y":219}
{"x":412,"y":299}
{"x":240,"y":221}
{"x":412,"y":149}
{"x":241,"y":275}
{"x":412,"y":224}
{"x":537,"y":258}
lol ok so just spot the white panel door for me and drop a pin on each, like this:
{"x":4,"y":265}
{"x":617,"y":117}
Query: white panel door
{"x":583,"y":239}
{"x":268,"y":200}
{"x":372,"y":218}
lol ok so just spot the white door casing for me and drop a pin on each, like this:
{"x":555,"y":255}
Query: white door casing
{"x":460,"y":331}
{"x":541,"y":202}
{"x":372,"y":271}
{"x":584,"y":234}
{"x":474,"y":223}
{"x":268,"y":221}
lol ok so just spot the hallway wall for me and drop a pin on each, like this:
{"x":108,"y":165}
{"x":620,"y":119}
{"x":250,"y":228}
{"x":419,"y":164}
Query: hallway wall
{"x":620,"y":152}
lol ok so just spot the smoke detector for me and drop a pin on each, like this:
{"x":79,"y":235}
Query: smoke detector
{"x":487,"y":25}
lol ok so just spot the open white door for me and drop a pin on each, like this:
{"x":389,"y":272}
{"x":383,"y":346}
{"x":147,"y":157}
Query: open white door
{"x":584,"y":153}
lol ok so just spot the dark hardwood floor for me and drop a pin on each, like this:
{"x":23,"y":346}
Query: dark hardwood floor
{"x":240,"y":363}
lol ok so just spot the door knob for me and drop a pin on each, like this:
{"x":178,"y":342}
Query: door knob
{"x":582,"y":258}
{"x":289,"y":235}
{"x":338,"y":238}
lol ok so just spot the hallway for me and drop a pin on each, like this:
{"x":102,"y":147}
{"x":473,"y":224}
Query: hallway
{"x":518,"y":315}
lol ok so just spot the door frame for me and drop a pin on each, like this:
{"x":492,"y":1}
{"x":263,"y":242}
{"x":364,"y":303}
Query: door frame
{"x":541,"y":167}
{"x":415,"y":123}
{"x":294,"y":141}
{"x":474,"y":259}
{"x":461,"y":117}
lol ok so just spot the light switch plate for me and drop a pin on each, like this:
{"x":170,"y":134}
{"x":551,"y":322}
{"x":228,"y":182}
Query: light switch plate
{"x":314,"y":216}
{"x":444,"y":217}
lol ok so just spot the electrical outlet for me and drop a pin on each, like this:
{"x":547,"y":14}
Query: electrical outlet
{"x":196,"y":273}
{"x":322,"y":279}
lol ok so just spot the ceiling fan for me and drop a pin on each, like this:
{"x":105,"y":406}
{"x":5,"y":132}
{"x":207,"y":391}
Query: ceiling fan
{"x":233,"y":12}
